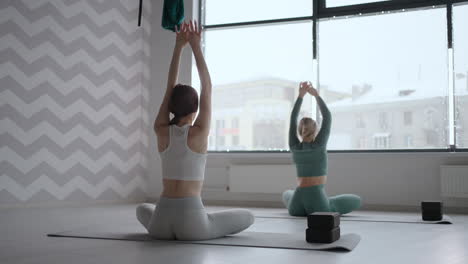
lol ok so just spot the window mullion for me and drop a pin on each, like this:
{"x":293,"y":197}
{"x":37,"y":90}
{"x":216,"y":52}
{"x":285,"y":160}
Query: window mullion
{"x":451,"y":79}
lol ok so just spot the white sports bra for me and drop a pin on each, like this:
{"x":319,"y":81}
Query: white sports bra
{"x":179,"y":162}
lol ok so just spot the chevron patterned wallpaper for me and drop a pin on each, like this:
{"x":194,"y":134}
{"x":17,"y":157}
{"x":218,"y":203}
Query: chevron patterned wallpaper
{"x":74,"y":80}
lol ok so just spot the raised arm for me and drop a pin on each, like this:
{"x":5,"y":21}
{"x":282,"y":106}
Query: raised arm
{"x":324,"y":133}
{"x":204,"y":117}
{"x":293,"y":139}
{"x":162,"y":119}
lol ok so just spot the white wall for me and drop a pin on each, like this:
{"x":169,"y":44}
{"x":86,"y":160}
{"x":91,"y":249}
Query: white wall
{"x":73,"y":86}
{"x":387,"y":179}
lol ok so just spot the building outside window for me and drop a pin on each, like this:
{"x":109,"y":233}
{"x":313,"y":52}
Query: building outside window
{"x":408,"y":141}
{"x":235,"y":140}
{"x":383,"y":120}
{"x":382,"y":141}
{"x":220,"y":134}
{"x":360,"y":121}
{"x":408,"y":118}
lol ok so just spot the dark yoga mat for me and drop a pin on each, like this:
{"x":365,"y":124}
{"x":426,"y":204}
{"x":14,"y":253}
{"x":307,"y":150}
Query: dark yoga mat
{"x":347,"y":242}
{"x":412,"y":219}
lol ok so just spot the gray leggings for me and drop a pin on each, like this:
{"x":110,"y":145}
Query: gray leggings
{"x":186,"y":219}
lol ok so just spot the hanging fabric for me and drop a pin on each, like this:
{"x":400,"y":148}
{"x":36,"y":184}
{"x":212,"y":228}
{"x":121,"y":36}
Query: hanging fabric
{"x":173,"y":14}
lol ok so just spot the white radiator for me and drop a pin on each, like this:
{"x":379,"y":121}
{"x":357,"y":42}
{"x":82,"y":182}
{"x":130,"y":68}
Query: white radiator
{"x":216,"y":179}
{"x":454,"y":181}
{"x":261,"y":178}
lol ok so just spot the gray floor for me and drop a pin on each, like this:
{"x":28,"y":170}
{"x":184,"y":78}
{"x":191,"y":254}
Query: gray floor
{"x":23,"y":240}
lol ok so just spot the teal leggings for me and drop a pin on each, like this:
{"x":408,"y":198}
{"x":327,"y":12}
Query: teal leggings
{"x":306,"y":200}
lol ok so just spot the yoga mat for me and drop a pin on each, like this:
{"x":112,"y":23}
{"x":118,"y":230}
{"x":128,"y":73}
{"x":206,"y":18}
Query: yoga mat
{"x":413,"y":219}
{"x":347,"y":242}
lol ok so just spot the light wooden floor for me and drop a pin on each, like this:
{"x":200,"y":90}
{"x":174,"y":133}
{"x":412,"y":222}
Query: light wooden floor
{"x":23,"y":240}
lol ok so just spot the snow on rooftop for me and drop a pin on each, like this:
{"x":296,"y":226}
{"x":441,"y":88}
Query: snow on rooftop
{"x":376,"y":96}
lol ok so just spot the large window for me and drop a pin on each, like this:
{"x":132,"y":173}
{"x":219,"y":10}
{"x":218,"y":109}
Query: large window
{"x":460,"y":27}
{"x":255,"y":72}
{"x":386,"y":72}
{"x":382,"y":67}
{"x":229,"y":11}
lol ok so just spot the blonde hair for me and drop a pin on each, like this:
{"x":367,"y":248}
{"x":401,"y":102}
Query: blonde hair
{"x":307,"y":129}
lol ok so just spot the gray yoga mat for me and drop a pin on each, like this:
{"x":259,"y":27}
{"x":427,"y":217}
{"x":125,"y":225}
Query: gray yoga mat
{"x":347,"y":242}
{"x":413,"y":219}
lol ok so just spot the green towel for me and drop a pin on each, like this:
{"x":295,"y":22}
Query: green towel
{"x":173,"y":14}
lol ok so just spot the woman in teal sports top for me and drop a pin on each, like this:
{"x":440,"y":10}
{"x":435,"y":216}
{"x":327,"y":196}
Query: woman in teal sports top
{"x":310,"y":157}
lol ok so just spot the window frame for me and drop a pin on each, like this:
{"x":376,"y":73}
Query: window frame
{"x":320,"y":11}
{"x":456,"y":126}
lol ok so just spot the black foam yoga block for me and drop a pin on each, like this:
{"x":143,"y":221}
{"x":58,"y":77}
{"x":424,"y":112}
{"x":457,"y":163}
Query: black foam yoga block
{"x":431,"y":217}
{"x":323,"y":220}
{"x":431,"y":205}
{"x":322,"y":236}
{"x":432,"y":211}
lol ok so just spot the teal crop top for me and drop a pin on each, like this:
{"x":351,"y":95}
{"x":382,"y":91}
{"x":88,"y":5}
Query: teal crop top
{"x":310,"y":157}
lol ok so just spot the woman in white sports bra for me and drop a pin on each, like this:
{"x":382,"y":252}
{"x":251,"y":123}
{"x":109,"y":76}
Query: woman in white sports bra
{"x":180,"y":213}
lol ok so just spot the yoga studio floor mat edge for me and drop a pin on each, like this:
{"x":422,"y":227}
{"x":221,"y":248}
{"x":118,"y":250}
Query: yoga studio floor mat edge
{"x":346,"y":243}
{"x":408,"y":220}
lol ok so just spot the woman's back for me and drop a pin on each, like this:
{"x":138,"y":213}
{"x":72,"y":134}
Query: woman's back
{"x":178,"y":161}
{"x":310,"y":158}
{"x":183,"y":164}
